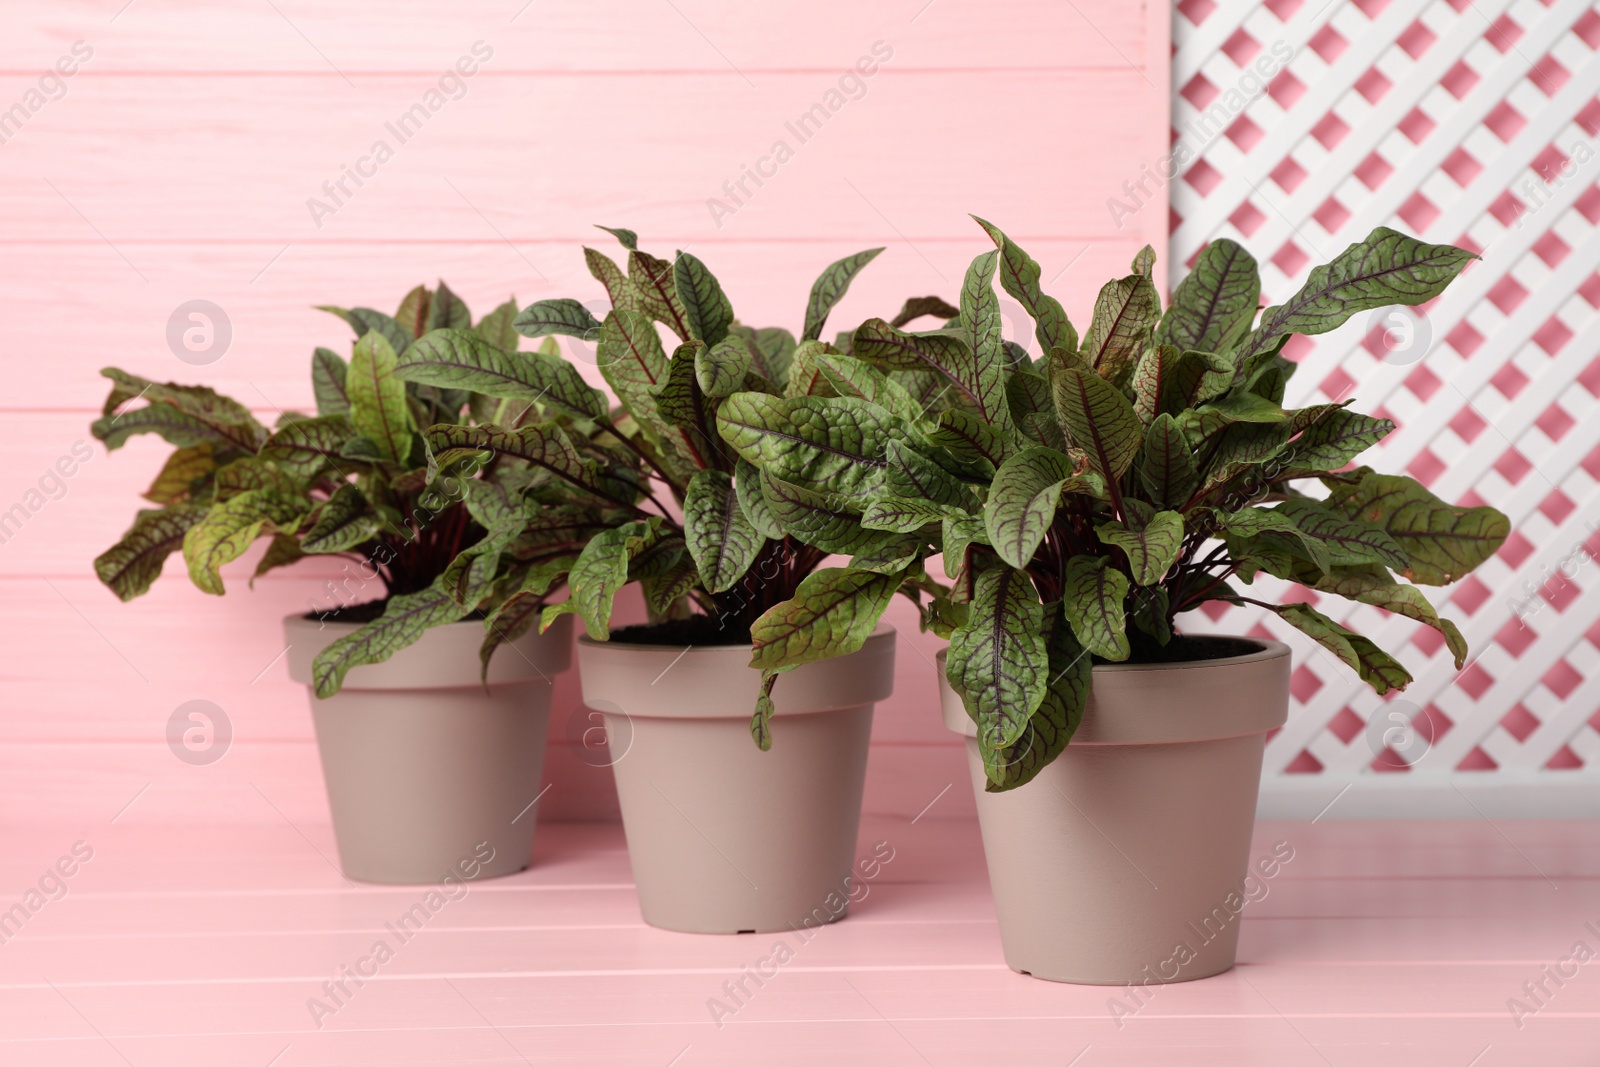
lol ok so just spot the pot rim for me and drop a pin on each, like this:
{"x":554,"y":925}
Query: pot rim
{"x":1164,"y":703}
{"x":878,"y":633}
{"x":311,"y":619}
{"x":717,"y":682}
{"x":443,"y":657}
{"x":1269,"y":649}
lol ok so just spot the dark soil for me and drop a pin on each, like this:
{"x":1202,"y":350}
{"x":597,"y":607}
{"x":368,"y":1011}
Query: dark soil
{"x":367,"y":612}
{"x":700,"y":630}
{"x":372,"y":609}
{"x":1182,"y":649}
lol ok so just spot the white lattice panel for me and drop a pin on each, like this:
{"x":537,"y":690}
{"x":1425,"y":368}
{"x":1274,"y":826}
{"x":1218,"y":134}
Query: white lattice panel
{"x":1474,"y":122}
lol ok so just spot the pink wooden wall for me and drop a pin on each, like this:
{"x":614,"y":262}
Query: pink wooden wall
{"x":176,"y":164}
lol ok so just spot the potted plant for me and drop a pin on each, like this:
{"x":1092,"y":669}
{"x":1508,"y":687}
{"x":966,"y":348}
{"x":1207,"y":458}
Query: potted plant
{"x":431,"y":745}
{"x":1082,"y":503}
{"x":735,"y":822}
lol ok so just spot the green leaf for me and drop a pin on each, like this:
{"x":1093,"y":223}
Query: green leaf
{"x":1033,"y":409}
{"x":805,"y":372}
{"x":470,"y":576}
{"x":761,"y":721}
{"x":831,"y":444}
{"x":282,"y":551}
{"x":707,"y":312}
{"x":722,"y":540}
{"x":634,"y":364}
{"x":664,"y":592}
{"x":460,"y":359}
{"x":1386,"y":268}
{"x":305,"y":448}
{"x":600,"y":571}
{"x":489,"y":503}
{"x":983,"y":384}
{"x":1151,"y":376}
{"x":1241,"y":447}
{"x":829,"y":521}
{"x":555,"y":528}
{"x":405,"y":619}
{"x":129,"y":567}
{"x":682,"y":404}
{"x":1347,"y":541}
{"x":177,"y":480}
{"x":378,"y":406}
{"x":1215,"y":303}
{"x":918,"y":306}
{"x":1144,"y":261}
{"x":829,"y":288}
{"x":956,"y":535}
{"x":721,"y":369}
{"x":562,"y":315}
{"x":447,"y":311}
{"x":412,"y":314}
{"x":1277,"y":529}
{"x":898,"y":514}
{"x":1373,"y":585}
{"x":632,"y":360}
{"x":328,"y":372}
{"x":654,"y":279}
{"x":1241,"y":407}
{"x":1375,"y":666}
{"x":1022,"y":502}
{"x":623,"y":293}
{"x":628,"y":238}
{"x":228,"y":530}
{"x":520,"y":611}
{"x":850,"y":376}
{"x":1093,"y":606}
{"x":916,"y":476}
{"x":1098,"y":419}
{"x":1336,"y":437}
{"x":776,"y":348}
{"x":184,"y":414}
{"x":365,"y":320}
{"x":891,"y":555}
{"x":969,"y":439}
{"x":1194,"y":378}
{"x":998,"y":662}
{"x":832,"y":613}
{"x":340,"y":523}
{"x":980,"y":321}
{"x":1125,"y":314}
{"x":1019,"y":277}
{"x":1050,"y":728}
{"x":1152,"y":612}
{"x":544,"y":445}
{"x":250,"y":472}
{"x":1443,"y":543}
{"x":747,"y":485}
{"x":499,"y":327}
{"x":1166,"y":465}
{"x":1151,"y":548}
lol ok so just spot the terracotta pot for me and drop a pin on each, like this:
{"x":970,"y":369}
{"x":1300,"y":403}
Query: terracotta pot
{"x":1136,"y":839}
{"x":725,"y":838}
{"x":426,"y":769}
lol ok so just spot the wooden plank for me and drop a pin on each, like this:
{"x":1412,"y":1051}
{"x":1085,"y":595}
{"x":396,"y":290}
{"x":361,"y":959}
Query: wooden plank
{"x":103,"y":314}
{"x":217,"y":38}
{"x":239,"y":159}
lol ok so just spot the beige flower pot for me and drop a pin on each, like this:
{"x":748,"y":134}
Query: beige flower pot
{"x":429,"y":773}
{"x":725,"y":838}
{"x":1135,"y":840}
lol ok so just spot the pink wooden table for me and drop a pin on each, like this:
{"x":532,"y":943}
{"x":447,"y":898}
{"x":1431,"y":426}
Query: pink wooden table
{"x":1378,"y":943}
